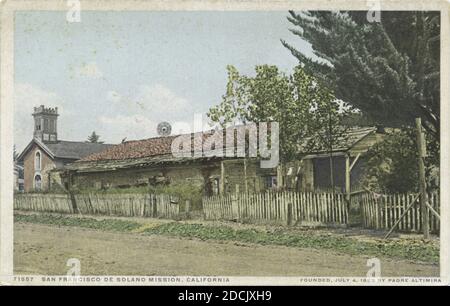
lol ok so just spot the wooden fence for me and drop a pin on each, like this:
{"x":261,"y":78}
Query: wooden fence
{"x":59,"y":203}
{"x":279,"y":207}
{"x":131,"y":205}
{"x":382,"y":211}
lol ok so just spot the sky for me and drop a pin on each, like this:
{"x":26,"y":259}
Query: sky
{"x":121,"y":73}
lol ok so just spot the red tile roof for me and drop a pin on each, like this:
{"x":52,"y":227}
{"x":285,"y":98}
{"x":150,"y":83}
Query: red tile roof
{"x":160,"y":146}
{"x":134,"y":149}
{"x":156,"y":146}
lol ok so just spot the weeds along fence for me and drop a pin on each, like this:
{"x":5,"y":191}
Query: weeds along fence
{"x":131,"y":205}
{"x":382,"y":211}
{"x":278,"y":207}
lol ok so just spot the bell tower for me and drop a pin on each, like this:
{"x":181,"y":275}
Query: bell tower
{"x":45,"y":119}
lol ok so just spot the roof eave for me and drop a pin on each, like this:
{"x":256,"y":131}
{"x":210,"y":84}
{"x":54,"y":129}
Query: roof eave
{"x":30,"y":145}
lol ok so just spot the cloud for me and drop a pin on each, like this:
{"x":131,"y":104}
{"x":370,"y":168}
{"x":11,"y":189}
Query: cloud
{"x":132,"y":127}
{"x":141,"y":112}
{"x":134,"y":117}
{"x":113,"y":96}
{"x":26,"y":97}
{"x":160,"y":99}
{"x":152,"y":100}
{"x":89,"y":70}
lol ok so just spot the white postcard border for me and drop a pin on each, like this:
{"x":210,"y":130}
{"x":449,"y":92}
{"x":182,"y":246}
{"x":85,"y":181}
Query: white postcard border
{"x":8,"y":8}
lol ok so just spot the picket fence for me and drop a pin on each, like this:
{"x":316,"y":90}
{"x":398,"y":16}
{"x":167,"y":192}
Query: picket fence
{"x":382,"y":211}
{"x":58,"y":203}
{"x":278,"y":207}
{"x":130,"y":205}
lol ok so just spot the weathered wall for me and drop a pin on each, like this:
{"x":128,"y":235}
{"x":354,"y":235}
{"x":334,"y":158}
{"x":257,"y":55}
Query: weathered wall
{"x":123,"y":178}
{"x":29,"y":169}
{"x":237,"y":173}
{"x":298,"y":175}
{"x":197,"y":175}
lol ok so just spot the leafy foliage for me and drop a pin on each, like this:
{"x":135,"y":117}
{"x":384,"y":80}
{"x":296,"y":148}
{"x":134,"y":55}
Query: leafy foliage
{"x":184,"y":191}
{"x":306,"y":111}
{"x":137,"y":190}
{"x":105,"y":224}
{"x":392,"y":164}
{"x":388,"y":70}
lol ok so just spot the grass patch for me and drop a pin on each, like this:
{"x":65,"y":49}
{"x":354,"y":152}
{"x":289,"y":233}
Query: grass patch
{"x":105,"y":224}
{"x":412,"y":250}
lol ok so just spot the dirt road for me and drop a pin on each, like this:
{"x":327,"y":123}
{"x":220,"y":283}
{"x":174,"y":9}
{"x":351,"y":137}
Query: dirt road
{"x":40,"y":249}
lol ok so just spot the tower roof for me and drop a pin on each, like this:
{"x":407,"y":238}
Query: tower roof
{"x":45,"y":110}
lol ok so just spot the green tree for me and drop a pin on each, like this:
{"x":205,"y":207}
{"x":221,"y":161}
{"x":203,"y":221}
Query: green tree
{"x":389,"y":69}
{"x":392,"y":164}
{"x":308,"y":114}
{"x":94,"y":138}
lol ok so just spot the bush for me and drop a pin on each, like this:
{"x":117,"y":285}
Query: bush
{"x":392,"y":164}
{"x":183,"y":191}
{"x":141,"y":189}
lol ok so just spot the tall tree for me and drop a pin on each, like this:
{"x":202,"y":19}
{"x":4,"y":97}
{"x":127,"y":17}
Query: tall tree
{"x":389,"y":69}
{"x":94,"y":138}
{"x":308,"y":114}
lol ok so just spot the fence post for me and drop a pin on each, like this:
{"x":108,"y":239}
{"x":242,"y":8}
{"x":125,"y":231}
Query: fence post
{"x":421,"y":148}
{"x":154,"y":207}
{"x":289,"y":214}
{"x":347,"y":180}
{"x":74,"y":202}
{"x":234,"y":206}
{"x":187,"y":208}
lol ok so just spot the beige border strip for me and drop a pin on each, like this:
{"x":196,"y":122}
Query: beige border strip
{"x":227,"y":5}
{"x":8,"y":7}
{"x":445,"y":144}
{"x":6,"y":141}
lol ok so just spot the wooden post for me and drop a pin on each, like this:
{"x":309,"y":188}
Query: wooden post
{"x":289,"y":214}
{"x":347,"y":179}
{"x":245,"y":175}
{"x":422,"y":181}
{"x":222,"y":178}
{"x":71,"y":195}
{"x":73,"y":202}
{"x":235,"y":206}
{"x":154,"y":207}
{"x":187,"y":208}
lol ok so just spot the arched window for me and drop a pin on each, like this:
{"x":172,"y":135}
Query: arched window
{"x":37,"y":161}
{"x":37,"y":182}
